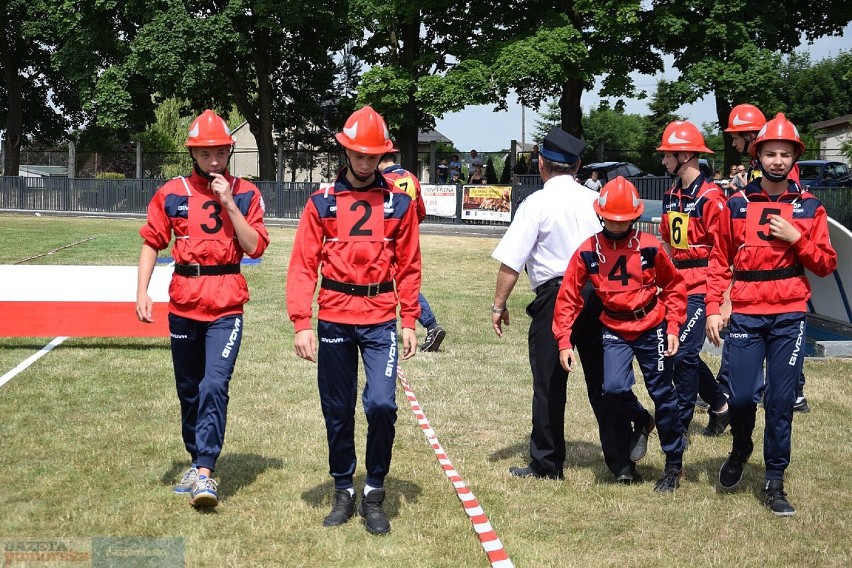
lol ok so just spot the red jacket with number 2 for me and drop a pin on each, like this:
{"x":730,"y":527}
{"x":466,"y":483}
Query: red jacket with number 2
{"x":356,"y":236}
{"x":626,"y":275}
{"x":204,"y":235}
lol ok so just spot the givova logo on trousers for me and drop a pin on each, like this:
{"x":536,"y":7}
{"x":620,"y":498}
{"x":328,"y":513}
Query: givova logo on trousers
{"x":661,"y":349}
{"x":391,"y":355}
{"x":235,"y":333}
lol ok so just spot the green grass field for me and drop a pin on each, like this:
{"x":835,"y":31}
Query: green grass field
{"x":90,"y":444}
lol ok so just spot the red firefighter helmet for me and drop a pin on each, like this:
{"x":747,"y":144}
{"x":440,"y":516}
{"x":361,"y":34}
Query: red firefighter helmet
{"x":683,"y":136}
{"x":619,"y":201}
{"x":365,"y":131}
{"x":779,"y":128}
{"x":209,"y":130}
{"x":745,"y":118}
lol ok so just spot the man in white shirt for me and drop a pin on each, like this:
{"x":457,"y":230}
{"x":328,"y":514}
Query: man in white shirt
{"x":593,"y":182}
{"x":548,"y":227}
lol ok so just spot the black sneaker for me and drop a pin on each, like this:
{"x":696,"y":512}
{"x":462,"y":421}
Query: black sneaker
{"x":342,"y":508}
{"x":717,"y":423}
{"x":670,"y":480}
{"x":374,"y":515}
{"x":701,"y":405}
{"x":528,"y":471}
{"x":433,"y":340}
{"x":801,"y":405}
{"x":731,"y":472}
{"x":776,"y":499}
{"x":639,"y":441}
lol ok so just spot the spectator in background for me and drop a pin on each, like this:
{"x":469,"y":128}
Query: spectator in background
{"x":455,"y":178}
{"x":593,"y":182}
{"x":443,"y":171}
{"x":521,"y":167}
{"x":455,"y":168}
{"x":475,"y":160}
{"x":534,"y":160}
{"x":739,"y":180}
{"x":477,"y":176}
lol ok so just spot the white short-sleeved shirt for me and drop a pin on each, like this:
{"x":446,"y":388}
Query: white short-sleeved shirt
{"x":549,"y":226}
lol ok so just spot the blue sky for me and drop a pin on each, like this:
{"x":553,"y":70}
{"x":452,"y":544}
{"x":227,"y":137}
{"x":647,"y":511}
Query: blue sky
{"x":478,"y":127}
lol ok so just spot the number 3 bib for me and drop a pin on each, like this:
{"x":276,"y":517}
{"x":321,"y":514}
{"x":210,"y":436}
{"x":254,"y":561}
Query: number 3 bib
{"x":361,"y":216}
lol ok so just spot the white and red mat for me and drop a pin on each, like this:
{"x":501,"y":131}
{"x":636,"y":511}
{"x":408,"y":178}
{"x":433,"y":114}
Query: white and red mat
{"x":79,"y":301}
{"x":497,"y":555}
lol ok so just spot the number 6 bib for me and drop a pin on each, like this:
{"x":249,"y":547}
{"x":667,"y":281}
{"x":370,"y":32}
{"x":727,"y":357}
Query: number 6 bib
{"x":360,"y":216}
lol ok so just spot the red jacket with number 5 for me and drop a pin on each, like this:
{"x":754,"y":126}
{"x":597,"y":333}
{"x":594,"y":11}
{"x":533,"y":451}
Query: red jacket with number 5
{"x":745,"y":245}
{"x":356,"y":236}
{"x":626,"y":275}
{"x":204,"y":235}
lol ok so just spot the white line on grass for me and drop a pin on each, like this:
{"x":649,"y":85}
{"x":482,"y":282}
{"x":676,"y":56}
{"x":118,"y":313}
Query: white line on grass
{"x":497,"y":555}
{"x":30,"y":360}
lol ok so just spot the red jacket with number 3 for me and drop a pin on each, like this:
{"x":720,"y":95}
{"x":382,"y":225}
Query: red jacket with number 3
{"x":626,"y":275}
{"x":204,"y":235}
{"x":690,"y":225}
{"x":745,"y":245}
{"x":363,"y":236}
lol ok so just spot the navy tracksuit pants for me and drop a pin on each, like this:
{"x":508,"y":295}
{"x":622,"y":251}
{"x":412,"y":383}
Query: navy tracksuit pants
{"x":657,"y":371}
{"x":686,"y":360}
{"x":779,"y":339}
{"x":337,"y":379}
{"x":204,"y":354}
{"x":427,"y":317}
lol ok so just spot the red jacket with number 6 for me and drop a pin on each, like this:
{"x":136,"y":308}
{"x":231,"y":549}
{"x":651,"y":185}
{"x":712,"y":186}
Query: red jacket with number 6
{"x":690,"y":225}
{"x":204,"y":235}
{"x":745,"y":245}
{"x":626,"y":275}
{"x":356,"y":236}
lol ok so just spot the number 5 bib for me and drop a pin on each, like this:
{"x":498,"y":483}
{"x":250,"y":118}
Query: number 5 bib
{"x":361,"y":216}
{"x":757,"y":223}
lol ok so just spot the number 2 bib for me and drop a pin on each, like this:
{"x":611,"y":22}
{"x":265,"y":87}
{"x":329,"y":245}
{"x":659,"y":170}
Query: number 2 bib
{"x":361,"y":216}
{"x":757,"y":223}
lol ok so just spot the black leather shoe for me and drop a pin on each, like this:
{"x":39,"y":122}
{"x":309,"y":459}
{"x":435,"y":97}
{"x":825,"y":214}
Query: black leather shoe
{"x":717,"y":423}
{"x":629,"y":478}
{"x":528,"y":471}
{"x":639,"y":441}
{"x":342,"y":508}
{"x":731,"y":472}
{"x":373,"y":513}
{"x":776,"y":499}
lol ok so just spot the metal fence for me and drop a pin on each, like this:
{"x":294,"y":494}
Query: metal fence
{"x":284,"y":200}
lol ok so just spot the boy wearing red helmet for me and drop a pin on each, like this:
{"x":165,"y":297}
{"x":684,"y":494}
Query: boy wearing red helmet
{"x":693,"y":210}
{"x":776,"y":231}
{"x":216,"y":219}
{"x":362,"y":235}
{"x":644,"y":300}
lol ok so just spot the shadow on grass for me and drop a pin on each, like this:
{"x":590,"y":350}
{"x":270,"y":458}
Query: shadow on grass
{"x":319,"y":496}
{"x":578,"y":454}
{"x":239,"y":470}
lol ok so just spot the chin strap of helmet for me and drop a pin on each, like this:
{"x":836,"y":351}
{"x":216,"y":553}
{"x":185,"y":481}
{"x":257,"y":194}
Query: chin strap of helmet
{"x":362,"y":179}
{"x":773,"y":177}
{"x":204,"y":174}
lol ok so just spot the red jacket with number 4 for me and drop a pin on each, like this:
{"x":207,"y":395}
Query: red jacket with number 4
{"x":204,"y":235}
{"x":690,"y":226}
{"x":746,"y":245}
{"x":363,"y":236}
{"x":406,"y":181}
{"x":626,"y":275}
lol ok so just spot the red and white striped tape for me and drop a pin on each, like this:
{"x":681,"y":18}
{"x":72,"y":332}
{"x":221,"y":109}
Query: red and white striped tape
{"x":497,"y":555}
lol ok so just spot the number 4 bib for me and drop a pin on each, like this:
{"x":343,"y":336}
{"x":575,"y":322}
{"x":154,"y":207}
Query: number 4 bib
{"x":361,"y":216}
{"x":621,"y":271}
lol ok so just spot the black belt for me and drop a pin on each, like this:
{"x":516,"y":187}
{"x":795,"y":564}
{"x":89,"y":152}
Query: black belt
{"x":549,"y":284}
{"x":196,"y":270}
{"x":635,"y":314}
{"x":368,"y":290}
{"x":691,"y":263}
{"x":766,"y":275}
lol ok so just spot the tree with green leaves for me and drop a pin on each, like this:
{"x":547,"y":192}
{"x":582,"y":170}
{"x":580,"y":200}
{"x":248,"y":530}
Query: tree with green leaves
{"x":731,"y":48}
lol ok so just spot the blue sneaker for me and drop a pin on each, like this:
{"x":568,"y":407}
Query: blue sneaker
{"x":204,"y":493}
{"x":186,"y":482}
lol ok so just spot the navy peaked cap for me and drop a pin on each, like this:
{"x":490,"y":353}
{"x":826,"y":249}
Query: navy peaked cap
{"x":559,"y":146}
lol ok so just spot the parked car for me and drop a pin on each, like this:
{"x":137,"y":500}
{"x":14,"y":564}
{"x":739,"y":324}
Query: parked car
{"x":824,"y":173}
{"x":705,"y":168}
{"x":610,"y":170}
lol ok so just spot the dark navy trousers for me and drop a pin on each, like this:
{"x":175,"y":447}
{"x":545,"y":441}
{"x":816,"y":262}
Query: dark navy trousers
{"x":337,"y":379}
{"x":427,"y":319}
{"x":779,"y":340}
{"x":657,"y":371}
{"x":204,"y":354}
{"x":686,"y":360}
